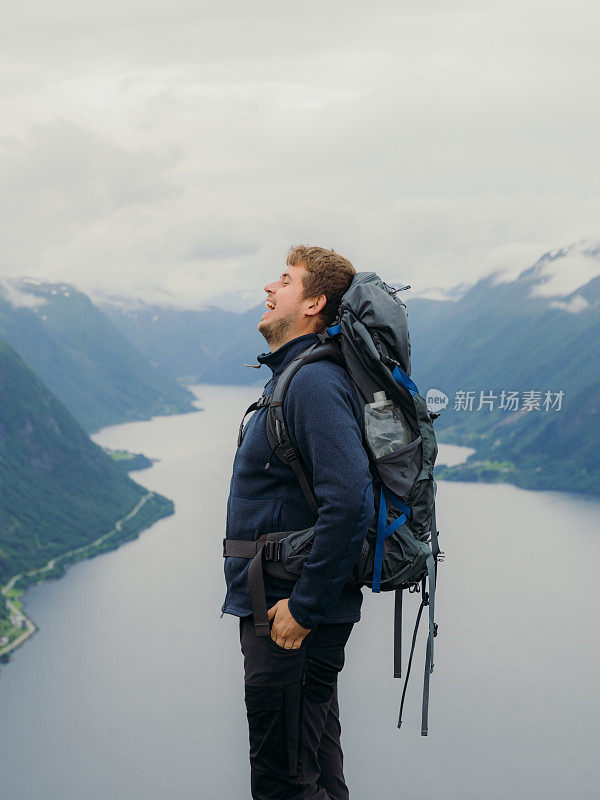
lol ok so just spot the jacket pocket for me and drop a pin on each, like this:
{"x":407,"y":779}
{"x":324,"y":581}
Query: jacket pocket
{"x":250,"y":517}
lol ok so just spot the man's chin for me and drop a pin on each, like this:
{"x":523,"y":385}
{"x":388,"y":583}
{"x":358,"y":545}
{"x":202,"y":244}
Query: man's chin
{"x":264,"y":328}
{"x":274,"y":330}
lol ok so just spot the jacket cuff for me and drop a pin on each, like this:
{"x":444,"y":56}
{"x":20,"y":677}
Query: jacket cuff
{"x":298,"y":615}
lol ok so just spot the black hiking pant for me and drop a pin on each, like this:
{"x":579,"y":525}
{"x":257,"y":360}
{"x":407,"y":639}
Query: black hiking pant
{"x":293,"y":714}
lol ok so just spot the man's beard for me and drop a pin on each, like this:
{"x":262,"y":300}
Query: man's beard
{"x":275,"y":331}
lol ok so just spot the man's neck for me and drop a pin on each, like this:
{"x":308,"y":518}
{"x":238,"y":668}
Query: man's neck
{"x":276,"y":359}
{"x":276,"y":345}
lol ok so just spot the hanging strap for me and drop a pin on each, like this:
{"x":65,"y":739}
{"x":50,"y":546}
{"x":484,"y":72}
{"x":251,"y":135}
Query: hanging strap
{"x":429,"y":651}
{"x":264,"y":555}
{"x":427,"y":599}
{"x":435,"y":545}
{"x":429,"y":660}
{"x":258,"y":597}
{"x":432,"y":625}
{"x":410,"y":658}
{"x":398,"y":633}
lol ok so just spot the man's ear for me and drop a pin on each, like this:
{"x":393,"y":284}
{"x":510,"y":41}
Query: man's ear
{"x":317,"y":305}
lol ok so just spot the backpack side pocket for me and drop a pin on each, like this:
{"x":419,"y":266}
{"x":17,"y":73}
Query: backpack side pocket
{"x":399,"y":469}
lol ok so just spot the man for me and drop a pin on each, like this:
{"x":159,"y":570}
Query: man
{"x":291,"y":676}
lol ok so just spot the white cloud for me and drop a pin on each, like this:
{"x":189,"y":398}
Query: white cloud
{"x":15,"y":295}
{"x":573,"y":306}
{"x":176,"y":150}
{"x":565,"y":271}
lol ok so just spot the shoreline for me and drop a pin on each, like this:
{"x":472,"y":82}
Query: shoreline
{"x":11,"y":595}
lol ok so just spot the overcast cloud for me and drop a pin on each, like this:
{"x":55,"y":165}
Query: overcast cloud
{"x":173,"y":151}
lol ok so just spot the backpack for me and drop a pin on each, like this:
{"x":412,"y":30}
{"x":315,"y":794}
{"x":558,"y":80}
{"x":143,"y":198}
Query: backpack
{"x":401,"y":551}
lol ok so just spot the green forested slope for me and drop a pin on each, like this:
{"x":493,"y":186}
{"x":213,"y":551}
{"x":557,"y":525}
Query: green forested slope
{"x":58,"y":489}
{"x":85,"y":361}
{"x":503,"y":337}
{"x":535,"y":450}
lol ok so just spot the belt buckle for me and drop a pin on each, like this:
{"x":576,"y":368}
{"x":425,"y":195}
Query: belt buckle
{"x":272,"y":551}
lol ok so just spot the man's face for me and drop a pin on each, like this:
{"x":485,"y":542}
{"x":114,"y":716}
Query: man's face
{"x":285,"y":316}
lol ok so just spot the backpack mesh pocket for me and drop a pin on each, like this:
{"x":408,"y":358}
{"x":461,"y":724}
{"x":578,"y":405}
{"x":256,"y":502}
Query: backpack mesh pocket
{"x":399,"y":469}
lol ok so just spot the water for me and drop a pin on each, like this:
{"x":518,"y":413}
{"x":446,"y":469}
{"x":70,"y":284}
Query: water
{"x":132,"y":685}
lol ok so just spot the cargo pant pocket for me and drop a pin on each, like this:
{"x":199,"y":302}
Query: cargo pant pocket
{"x":271,"y":715}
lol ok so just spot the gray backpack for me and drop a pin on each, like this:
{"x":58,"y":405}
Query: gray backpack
{"x":370,"y":339}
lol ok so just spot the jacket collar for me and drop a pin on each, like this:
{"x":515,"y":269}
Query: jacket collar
{"x":278,"y":360}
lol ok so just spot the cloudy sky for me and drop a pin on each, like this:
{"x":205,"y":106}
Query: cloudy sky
{"x":173,"y":151}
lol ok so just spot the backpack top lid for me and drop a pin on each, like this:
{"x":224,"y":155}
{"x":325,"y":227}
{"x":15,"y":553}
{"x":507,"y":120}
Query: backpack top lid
{"x":378,"y":308}
{"x":372,"y":324}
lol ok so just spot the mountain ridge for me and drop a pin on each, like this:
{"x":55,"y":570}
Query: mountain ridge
{"x":85,"y":361}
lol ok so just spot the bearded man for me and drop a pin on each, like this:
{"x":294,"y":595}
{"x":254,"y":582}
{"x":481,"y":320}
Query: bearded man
{"x":291,"y":676}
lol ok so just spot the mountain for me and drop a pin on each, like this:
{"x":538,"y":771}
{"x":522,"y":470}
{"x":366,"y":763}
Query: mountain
{"x":531,"y":330}
{"x":512,"y":334}
{"x":83,"y":359}
{"x":538,"y":332}
{"x":509,"y":336}
{"x":58,"y":489}
{"x":537,"y":451}
{"x":195,"y":346}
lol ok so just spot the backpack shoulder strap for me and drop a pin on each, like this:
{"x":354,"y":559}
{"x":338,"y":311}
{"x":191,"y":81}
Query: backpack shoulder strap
{"x":277,"y":432}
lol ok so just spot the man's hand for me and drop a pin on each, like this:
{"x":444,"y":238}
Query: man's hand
{"x":285,"y":631}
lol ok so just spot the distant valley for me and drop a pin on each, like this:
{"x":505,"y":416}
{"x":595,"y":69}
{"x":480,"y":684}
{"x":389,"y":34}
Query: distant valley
{"x":511,"y":363}
{"x":536,"y":331}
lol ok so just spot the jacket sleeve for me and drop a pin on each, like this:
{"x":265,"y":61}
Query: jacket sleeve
{"x":324,"y":423}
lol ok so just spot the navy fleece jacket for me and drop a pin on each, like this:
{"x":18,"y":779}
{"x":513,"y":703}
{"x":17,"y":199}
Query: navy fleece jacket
{"x":325,"y":424}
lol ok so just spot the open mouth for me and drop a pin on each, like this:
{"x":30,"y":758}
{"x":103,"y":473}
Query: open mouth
{"x":270,"y":305}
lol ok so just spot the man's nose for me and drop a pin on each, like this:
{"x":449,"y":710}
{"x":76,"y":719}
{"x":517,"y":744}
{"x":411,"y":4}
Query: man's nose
{"x":271,"y":287}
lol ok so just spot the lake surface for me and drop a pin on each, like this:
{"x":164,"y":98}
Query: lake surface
{"x":132,"y":687}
